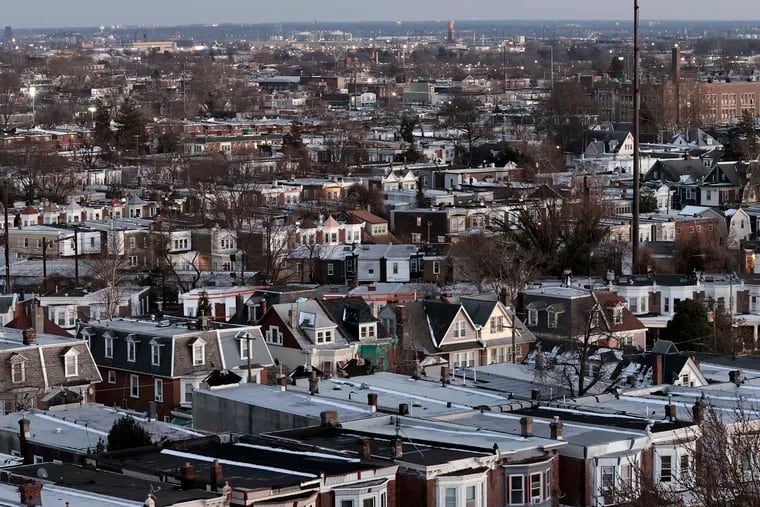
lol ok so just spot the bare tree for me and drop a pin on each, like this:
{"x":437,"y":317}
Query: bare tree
{"x":464,"y":115}
{"x":10,"y":85}
{"x":109,"y":274}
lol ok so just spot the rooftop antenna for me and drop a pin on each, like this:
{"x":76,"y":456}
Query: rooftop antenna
{"x":636,"y":161}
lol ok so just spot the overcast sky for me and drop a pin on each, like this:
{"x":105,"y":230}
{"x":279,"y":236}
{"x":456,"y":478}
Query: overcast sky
{"x":56,"y":13}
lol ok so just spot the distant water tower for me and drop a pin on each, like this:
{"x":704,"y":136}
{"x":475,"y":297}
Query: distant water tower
{"x":452,"y":36}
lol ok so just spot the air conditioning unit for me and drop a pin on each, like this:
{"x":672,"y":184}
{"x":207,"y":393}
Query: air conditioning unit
{"x":535,"y":501}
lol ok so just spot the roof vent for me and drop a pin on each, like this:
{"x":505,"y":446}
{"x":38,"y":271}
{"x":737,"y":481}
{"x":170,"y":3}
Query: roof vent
{"x":164,"y":323}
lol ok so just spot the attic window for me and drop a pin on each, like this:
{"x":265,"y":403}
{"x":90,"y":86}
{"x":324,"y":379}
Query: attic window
{"x":18,"y":368}
{"x":617,"y":315}
{"x":71,"y":363}
{"x":132,"y":348}
{"x":199,"y":352}
{"x":367,"y":330}
{"x":155,"y":352}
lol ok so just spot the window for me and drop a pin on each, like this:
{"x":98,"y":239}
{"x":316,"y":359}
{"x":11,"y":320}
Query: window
{"x":111,"y":377}
{"x":552,"y":318}
{"x":347,"y":503}
{"x":684,"y":466}
{"x":535,"y":487}
{"x":368,"y":502}
{"x":108,"y":347}
{"x":459,"y":329}
{"x":189,"y":392}
{"x":532,"y":317}
{"x":470,"y":496}
{"x":324,"y":336}
{"x":158,"y":390}
{"x":133,"y":261}
{"x":516,"y":490}
{"x":548,"y":484}
{"x":132,"y":242}
{"x":395,"y":268}
{"x":666,"y":468}
{"x":667,"y":305}
{"x":26,"y":242}
{"x":330,"y":269}
{"x":617,"y":315}
{"x":244,"y":344}
{"x":436,"y":267}
{"x":71,"y":363}
{"x":450,"y":497}
{"x":155,"y":354}
{"x":497,"y":324}
{"x":199,"y":352}
{"x":633,"y":304}
{"x":608,"y":484}
{"x":131,"y":350}
{"x":274,"y":336}
{"x":134,"y":386}
{"x":367,"y":331}
{"x":18,"y":371}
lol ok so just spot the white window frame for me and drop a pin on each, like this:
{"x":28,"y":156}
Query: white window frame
{"x":532,"y":317}
{"x":71,"y":363}
{"x":131,"y":350}
{"x":18,"y":371}
{"x":436,"y":267}
{"x":134,"y":386}
{"x":155,"y":354}
{"x":512,"y":490}
{"x":199,"y":352}
{"x":111,"y":376}
{"x":536,"y":498}
{"x":460,"y":328}
{"x":461,"y":486}
{"x":158,"y":390}
{"x":108,"y":347}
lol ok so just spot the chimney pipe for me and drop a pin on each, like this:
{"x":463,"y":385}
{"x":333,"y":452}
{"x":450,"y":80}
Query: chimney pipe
{"x":283,"y":382}
{"x":556,"y":428}
{"x":29,"y":336}
{"x":403,"y":409}
{"x":39,"y":318}
{"x":445,"y":374}
{"x":657,"y":370}
{"x":526,"y":427}
{"x":313,"y":383}
{"x":698,"y":412}
{"x":187,"y":476}
{"x":372,"y":401}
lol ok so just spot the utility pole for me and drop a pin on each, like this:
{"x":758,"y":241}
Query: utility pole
{"x":76,"y":257}
{"x":636,"y":154}
{"x":7,"y":244}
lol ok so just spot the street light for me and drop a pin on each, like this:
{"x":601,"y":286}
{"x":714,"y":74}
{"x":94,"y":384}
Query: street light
{"x":33,"y":93}
{"x":92,"y":110}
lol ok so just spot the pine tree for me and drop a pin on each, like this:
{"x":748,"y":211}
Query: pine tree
{"x":103,"y":136}
{"x":204,"y":305}
{"x":127,"y":433}
{"x":131,"y":126}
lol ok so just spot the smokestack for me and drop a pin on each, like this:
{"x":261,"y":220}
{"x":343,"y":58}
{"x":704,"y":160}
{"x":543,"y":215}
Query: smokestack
{"x":216,"y":475}
{"x":187,"y":476}
{"x":526,"y":426}
{"x":556,"y":428}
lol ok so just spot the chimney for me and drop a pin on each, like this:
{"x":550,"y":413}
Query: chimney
{"x":23,"y":436}
{"x":293,"y":317}
{"x":372,"y":402}
{"x":670,"y":412}
{"x":526,"y":426}
{"x":397,"y":448}
{"x":313,"y":383}
{"x":445,"y":375}
{"x":403,"y":409}
{"x":504,"y":297}
{"x":535,"y":394}
{"x":556,"y":428}
{"x":29,"y":336}
{"x":735,"y":377}
{"x":417,"y":372}
{"x":187,"y":476}
{"x":283,"y":382}
{"x":698,"y":412}
{"x":30,"y":493}
{"x":264,"y":307}
{"x":216,"y":475}
{"x":328,"y":419}
{"x":401,"y":316}
{"x":657,"y":370}
{"x":39,"y":319}
{"x":365,"y":449}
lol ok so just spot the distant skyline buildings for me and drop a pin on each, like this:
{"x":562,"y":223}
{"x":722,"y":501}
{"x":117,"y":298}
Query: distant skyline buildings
{"x":79,"y":13}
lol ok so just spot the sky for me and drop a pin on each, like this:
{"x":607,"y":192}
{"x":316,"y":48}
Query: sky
{"x":55,"y":13}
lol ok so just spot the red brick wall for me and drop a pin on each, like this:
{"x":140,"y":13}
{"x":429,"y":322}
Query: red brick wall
{"x":118,"y":394}
{"x":415,"y":491}
{"x":574,"y":481}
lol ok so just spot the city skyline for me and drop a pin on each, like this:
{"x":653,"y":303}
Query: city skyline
{"x":79,"y":13}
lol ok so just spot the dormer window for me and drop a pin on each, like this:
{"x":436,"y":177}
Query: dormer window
{"x":199,"y":352}
{"x":368,"y":330}
{"x":324,"y":336}
{"x":155,"y":352}
{"x":108,"y":346}
{"x":617,"y":315}
{"x":132,"y":348}
{"x":71,"y":363}
{"x":532,"y":317}
{"x":18,"y":368}
{"x":552,"y":317}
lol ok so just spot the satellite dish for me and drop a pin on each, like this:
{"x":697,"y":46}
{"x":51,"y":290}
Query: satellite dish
{"x":42,"y":473}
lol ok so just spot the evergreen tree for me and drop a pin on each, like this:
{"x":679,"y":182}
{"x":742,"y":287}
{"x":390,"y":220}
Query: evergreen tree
{"x":103,"y":136}
{"x":127,"y":433}
{"x":131,"y":130}
{"x":204,"y":305}
{"x":689,"y":327}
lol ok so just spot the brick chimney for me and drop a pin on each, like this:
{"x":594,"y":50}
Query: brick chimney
{"x":29,"y":336}
{"x":403,"y":409}
{"x":328,"y":419}
{"x":698,"y":412}
{"x":187,"y":476}
{"x":657,"y":370}
{"x":365,"y":449}
{"x":526,"y":426}
{"x":445,"y":375}
{"x":372,"y":401}
{"x":23,"y":435}
{"x":401,"y":317}
{"x":217,"y":475}
{"x":556,"y":428}
{"x":283,"y":381}
{"x":397,"y":448}
{"x":30,"y":493}
{"x":39,"y":318}
{"x":313,"y":382}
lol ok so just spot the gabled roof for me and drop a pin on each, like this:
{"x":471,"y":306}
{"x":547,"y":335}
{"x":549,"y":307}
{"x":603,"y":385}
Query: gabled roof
{"x":366,"y":216}
{"x":440,"y":316}
{"x":673,"y":170}
{"x":479,"y":310}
